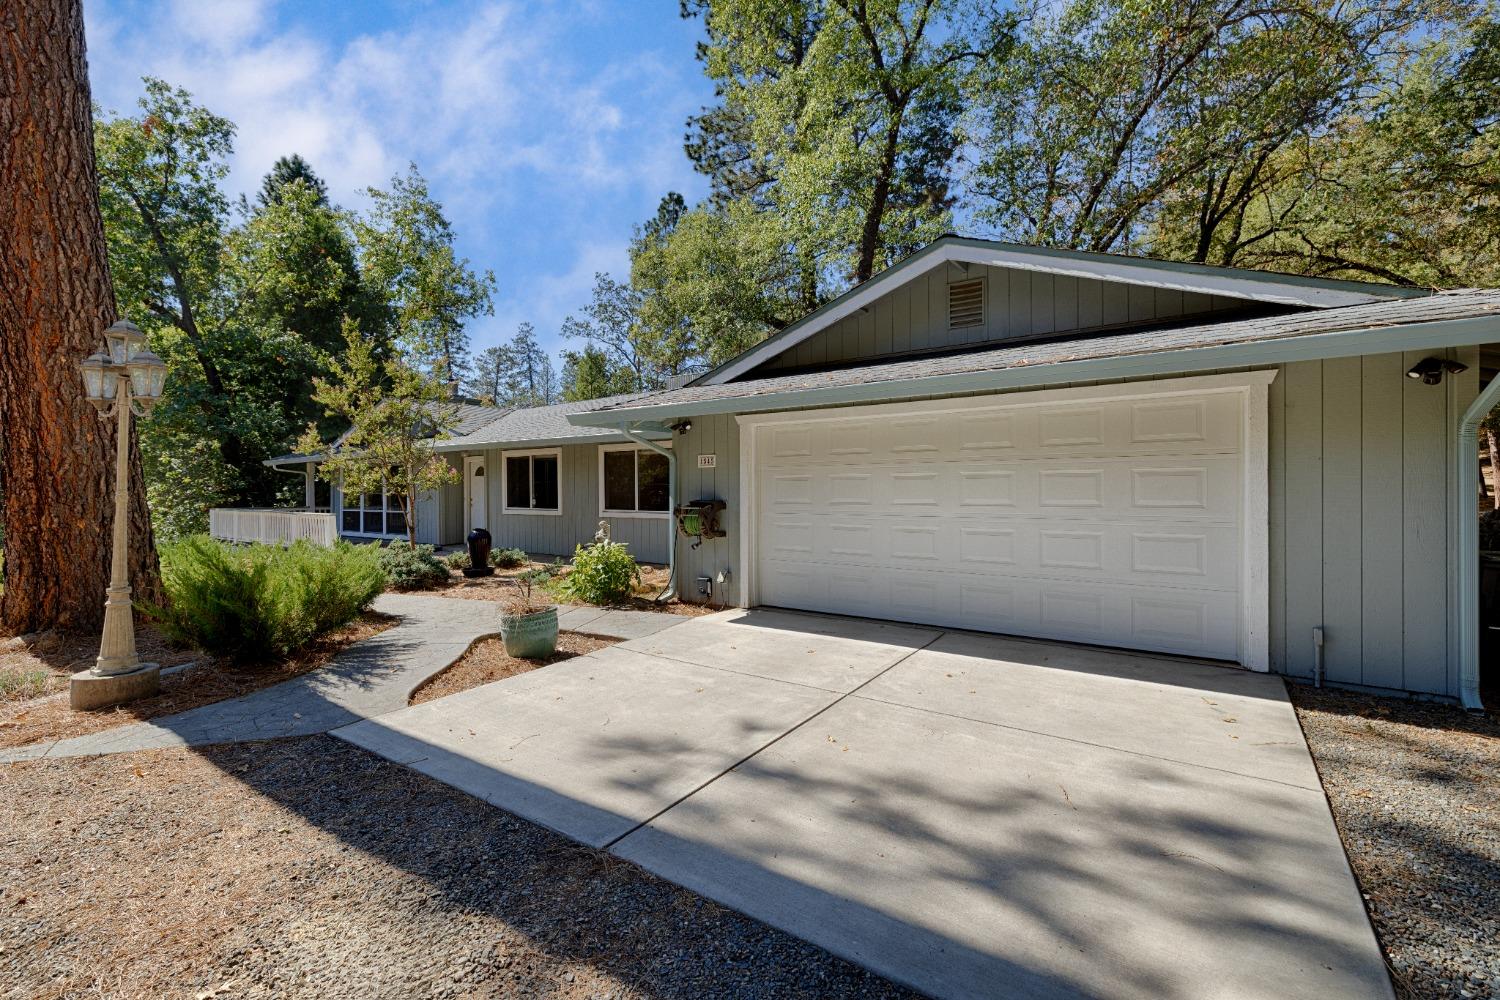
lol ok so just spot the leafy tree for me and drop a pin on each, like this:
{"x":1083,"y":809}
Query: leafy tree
{"x":395,"y":411}
{"x":588,"y":374}
{"x":406,"y":248}
{"x":1108,"y":110}
{"x":1403,"y":187}
{"x":611,"y":327}
{"x":518,"y":373}
{"x":287,"y":170}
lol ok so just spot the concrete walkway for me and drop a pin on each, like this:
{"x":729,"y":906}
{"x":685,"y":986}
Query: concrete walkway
{"x":972,"y":815}
{"x":371,"y":678}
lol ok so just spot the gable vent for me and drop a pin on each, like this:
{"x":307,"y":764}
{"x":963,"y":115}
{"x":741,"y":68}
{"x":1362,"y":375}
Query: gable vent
{"x":966,"y":304}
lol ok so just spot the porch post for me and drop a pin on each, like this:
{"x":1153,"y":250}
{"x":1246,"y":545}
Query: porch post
{"x":310,"y":490}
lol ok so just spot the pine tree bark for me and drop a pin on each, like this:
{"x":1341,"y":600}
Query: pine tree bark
{"x":57,"y":457}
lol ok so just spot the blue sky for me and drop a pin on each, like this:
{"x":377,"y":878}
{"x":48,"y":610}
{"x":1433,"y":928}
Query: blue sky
{"x":546,"y":130}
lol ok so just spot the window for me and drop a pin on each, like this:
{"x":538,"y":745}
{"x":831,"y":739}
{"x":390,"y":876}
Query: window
{"x":531,"y":482}
{"x":633,"y":481}
{"x":374,"y":514}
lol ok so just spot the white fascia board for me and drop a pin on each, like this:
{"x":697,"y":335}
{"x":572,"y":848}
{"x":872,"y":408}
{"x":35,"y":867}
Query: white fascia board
{"x":1258,"y":288}
{"x":462,"y":444}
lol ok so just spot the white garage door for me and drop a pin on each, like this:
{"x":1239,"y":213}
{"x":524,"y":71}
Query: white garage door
{"x":1114,"y":521}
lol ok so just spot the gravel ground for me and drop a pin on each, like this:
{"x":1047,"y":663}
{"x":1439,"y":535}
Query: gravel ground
{"x":308,"y":868}
{"x":1415,"y":789}
{"x":487,"y":661}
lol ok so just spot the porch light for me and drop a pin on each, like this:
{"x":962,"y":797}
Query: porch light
{"x":125,"y":341}
{"x":1432,"y":370}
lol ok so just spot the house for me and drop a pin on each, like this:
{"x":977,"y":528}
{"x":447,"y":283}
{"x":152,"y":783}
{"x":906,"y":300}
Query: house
{"x":527,"y":475}
{"x":1268,"y":469}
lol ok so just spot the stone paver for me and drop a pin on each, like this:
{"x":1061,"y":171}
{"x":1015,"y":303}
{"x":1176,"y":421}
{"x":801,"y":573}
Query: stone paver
{"x":370,"y":678}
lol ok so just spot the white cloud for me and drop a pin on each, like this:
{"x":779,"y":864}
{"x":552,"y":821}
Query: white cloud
{"x":528,"y":142}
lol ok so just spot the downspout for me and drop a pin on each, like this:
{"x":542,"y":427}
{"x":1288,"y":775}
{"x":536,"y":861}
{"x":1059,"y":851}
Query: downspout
{"x":1467,"y":531}
{"x":671,"y":591}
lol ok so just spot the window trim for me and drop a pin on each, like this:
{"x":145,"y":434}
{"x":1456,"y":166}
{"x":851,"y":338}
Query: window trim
{"x":505,"y":457}
{"x":385,"y":513}
{"x":648,"y":514}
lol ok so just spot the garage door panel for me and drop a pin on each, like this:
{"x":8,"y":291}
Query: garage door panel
{"x":1174,"y":425}
{"x":1116,"y":522}
{"x":1162,"y":487}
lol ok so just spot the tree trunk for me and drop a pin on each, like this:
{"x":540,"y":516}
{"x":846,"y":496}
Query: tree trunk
{"x":1489,"y":437}
{"x":56,"y":456}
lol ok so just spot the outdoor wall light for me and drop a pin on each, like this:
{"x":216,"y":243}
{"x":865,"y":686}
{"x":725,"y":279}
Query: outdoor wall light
{"x":1432,"y":370}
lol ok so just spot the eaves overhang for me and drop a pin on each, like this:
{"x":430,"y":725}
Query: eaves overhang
{"x":1434,"y":335}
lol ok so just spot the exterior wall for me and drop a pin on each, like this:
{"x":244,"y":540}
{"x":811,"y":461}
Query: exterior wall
{"x":1361,"y":499}
{"x":914,"y":317}
{"x":578,"y":500}
{"x":450,"y":524}
{"x":717,"y":435}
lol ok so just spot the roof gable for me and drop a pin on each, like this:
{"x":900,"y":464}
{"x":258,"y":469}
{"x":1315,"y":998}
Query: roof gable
{"x":1221,"y":286}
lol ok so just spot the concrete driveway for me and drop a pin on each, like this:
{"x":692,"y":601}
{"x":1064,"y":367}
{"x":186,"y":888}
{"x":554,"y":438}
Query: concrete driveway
{"x":972,"y":815}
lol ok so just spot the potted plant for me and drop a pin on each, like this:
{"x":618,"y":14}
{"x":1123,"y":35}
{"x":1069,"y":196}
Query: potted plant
{"x":528,"y":621}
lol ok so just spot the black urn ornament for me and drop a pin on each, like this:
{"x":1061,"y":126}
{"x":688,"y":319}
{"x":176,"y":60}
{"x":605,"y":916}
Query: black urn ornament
{"x":479,"y":554}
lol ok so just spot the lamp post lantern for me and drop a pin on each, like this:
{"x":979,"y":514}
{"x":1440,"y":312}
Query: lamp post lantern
{"x":127,"y":380}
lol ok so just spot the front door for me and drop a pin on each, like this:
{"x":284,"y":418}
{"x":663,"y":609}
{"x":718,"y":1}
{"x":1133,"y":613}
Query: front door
{"x":475,"y":495}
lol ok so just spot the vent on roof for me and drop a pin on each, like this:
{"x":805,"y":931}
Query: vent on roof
{"x":966,"y":304}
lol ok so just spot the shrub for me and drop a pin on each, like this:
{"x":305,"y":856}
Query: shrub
{"x":412,"y":567}
{"x":523,"y":599}
{"x":508,"y":558}
{"x":257,"y":602}
{"x":603,"y":573}
{"x":1489,"y":531}
{"x":456,"y":560}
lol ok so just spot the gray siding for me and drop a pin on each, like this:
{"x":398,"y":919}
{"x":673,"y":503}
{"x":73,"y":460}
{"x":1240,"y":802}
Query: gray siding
{"x":1360,"y":470}
{"x":558,"y":535}
{"x":914,"y":317}
{"x":1361,"y":501}
{"x":717,"y":435}
{"x":451,"y":528}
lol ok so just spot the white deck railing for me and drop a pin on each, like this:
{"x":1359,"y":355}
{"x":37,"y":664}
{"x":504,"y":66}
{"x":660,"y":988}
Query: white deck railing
{"x":273,"y":525}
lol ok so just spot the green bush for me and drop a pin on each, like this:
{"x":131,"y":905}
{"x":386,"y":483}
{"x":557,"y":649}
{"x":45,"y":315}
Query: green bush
{"x":412,"y":567}
{"x":257,"y":602}
{"x":456,"y":560}
{"x":603,"y":573}
{"x":508,"y":558}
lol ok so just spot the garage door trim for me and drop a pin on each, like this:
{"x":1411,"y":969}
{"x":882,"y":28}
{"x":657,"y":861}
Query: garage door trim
{"x":1251,"y":387}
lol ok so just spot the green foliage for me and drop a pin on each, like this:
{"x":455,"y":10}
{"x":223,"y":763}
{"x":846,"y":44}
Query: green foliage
{"x":518,"y":373}
{"x":406,"y":248}
{"x":258,"y":602}
{"x":290,"y":170}
{"x":603,"y":573}
{"x":25,"y":684}
{"x":508,"y":558}
{"x":589,"y":374}
{"x":457,"y":559}
{"x":412,"y":567}
{"x":395,"y":412}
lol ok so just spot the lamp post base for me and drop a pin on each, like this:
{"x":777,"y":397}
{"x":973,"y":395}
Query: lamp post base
{"x":88,"y":690}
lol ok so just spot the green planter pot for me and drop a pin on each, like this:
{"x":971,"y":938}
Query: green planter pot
{"x":530,"y":637}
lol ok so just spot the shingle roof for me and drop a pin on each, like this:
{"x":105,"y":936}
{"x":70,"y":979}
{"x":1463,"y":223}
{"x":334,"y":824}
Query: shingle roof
{"x":541,"y":425}
{"x":1456,"y":305}
{"x":460,"y":418}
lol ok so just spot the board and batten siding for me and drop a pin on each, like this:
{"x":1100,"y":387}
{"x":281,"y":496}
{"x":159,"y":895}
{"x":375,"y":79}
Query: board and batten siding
{"x":1361,"y":499}
{"x":913,"y":318}
{"x":578,"y":502}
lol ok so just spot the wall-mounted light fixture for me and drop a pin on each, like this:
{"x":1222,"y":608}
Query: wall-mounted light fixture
{"x":1432,"y":370}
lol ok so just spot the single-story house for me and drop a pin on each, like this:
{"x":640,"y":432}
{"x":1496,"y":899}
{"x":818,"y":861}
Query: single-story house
{"x":1269,"y":469}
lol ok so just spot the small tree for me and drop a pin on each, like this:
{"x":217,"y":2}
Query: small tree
{"x":395,"y":413}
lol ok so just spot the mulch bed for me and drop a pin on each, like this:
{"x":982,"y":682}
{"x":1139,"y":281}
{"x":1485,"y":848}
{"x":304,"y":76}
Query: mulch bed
{"x":487,"y":661}
{"x":49,"y":717}
{"x":310,"y":868}
{"x":1415,"y":790}
{"x":653,"y":582}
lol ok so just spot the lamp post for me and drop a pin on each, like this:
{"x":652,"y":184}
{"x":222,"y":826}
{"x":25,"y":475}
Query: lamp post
{"x":124,"y":381}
